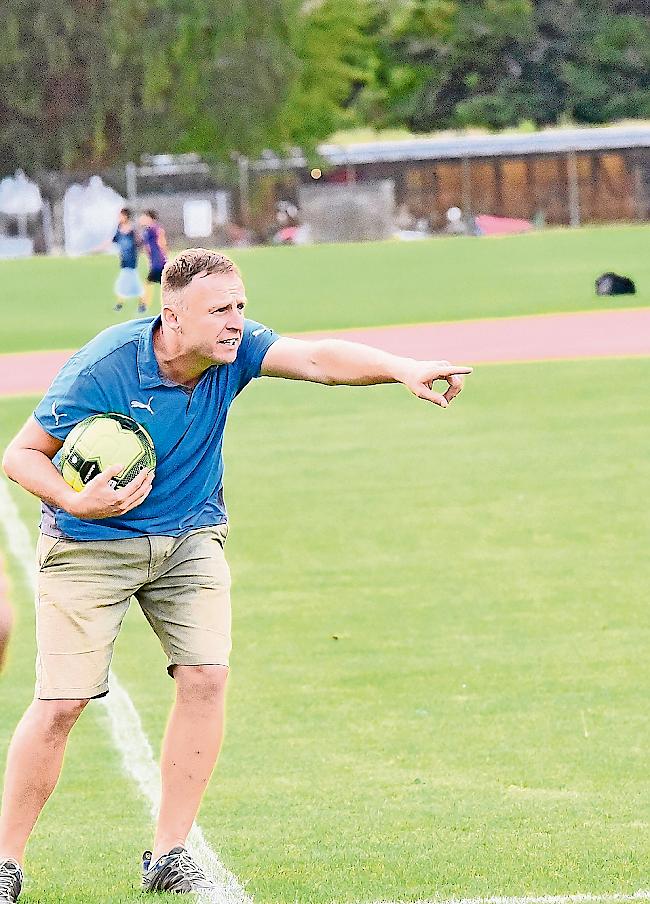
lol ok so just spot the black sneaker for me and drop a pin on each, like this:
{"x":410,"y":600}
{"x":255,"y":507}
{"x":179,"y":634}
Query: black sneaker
{"x":176,"y":872}
{"x":118,"y":306}
{"x":11,"y":881}
{"x":142,"y":309}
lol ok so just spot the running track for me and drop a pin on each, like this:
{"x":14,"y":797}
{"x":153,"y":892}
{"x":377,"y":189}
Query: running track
{"x":589,"y":334}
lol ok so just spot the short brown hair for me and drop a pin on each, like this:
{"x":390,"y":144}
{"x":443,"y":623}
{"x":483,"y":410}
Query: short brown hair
{"x":180,"y":271}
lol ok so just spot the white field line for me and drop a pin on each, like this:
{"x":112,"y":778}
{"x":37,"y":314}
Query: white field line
{"x":138,"y":761}
{"x":125,"y":725}
{"x":611,"y":898}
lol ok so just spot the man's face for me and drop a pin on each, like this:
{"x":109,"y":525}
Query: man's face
{"x":212,"y":317}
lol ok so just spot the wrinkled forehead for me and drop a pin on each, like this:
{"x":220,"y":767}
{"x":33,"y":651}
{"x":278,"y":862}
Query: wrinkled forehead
{"x":224,"y":287}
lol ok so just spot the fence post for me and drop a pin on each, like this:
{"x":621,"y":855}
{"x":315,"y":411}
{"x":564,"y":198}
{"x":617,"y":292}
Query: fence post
{"x":574,"y":189}
{"x":244,"y":190}
{"x":639,"y":193}
{"x":131,"y":183}
{"x":466,"y":190}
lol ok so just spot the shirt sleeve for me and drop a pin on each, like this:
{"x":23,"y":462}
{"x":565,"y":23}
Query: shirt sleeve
{"x":256,"y":342}
{"x":74,"y":395}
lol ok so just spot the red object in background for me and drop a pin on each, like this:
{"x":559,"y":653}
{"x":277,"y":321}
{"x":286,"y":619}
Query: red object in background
{"x":488,"y":225}
{"x":286,"y":235}
{"x":337,"y":177}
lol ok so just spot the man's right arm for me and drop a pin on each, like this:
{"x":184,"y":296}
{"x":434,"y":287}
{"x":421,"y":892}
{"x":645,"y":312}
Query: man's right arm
{"x":28,"y":462}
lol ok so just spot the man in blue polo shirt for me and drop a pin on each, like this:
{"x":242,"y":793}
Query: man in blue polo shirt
{"x":159,"y":539}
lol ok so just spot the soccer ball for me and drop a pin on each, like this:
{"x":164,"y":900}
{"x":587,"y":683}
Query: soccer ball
{"x":102,"y":440}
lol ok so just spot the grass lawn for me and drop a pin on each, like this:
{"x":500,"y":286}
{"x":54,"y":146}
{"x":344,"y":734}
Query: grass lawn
{"x":440,"y":675}
{"x":61,"y":303}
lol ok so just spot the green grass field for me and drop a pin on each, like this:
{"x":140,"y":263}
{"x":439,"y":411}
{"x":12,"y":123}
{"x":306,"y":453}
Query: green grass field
{"x":485,"y":571}
{"x":440,"y":673}
{"x":58,"y":303}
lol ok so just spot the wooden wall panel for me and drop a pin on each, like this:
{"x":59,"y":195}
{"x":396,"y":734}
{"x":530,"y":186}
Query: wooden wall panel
{"x":532,"y":187}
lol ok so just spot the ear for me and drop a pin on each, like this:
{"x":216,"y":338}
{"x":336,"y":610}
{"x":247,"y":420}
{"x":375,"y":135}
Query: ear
{"x":170,"y":318}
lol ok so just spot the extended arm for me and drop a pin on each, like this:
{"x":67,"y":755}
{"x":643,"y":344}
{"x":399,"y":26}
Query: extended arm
{"x":102,"y":247}
{"x":28,"y":462}
{"x":335,"y":363}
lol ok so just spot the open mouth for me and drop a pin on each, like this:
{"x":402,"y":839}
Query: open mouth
{"x":229,"y":342}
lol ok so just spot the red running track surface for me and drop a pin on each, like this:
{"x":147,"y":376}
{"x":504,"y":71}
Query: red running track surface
{"x":589,"y":334}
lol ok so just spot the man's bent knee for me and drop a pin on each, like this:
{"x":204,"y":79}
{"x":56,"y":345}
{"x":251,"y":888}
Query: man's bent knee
{"x":58,"y":716}
{"x":203,"y":682}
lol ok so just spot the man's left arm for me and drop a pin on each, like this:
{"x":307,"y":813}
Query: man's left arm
{"x":338,"y":363}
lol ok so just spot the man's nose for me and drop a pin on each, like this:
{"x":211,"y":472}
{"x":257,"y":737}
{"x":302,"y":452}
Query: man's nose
{"x":236,"y":321}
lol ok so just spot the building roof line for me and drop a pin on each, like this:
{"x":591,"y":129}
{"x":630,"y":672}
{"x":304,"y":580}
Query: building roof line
{"x":552,"y":141}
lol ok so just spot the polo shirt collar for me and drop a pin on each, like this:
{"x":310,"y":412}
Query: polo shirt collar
{"x":148,"y":371}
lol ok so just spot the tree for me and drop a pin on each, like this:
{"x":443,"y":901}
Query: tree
{"x":490,"y":63}
{"x":441,"y":53}
{"x":208,"y":76}
{"x":334,"y":44}
{"x":591,"y":60}
{"x":54,"y":95}
{"x":91,"y":82}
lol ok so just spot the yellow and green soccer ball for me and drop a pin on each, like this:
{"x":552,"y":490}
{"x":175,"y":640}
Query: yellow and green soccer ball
{"x":103,"y":440}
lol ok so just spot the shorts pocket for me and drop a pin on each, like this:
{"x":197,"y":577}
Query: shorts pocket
{"x":45,"y":548}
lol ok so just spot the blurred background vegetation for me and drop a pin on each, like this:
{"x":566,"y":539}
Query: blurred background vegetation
{"x":86,"y":83}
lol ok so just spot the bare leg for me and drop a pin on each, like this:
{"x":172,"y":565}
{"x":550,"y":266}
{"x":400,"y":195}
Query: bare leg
{"x":190,"y":750}
{"x":5,"y":626}
{"x":33,"y":767}
{"x":148,"y":292}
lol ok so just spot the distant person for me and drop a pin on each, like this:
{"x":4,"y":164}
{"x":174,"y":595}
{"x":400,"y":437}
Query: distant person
{"x":128,"y":283}
{"x":155,"y":244}
{"x":455,"y":224}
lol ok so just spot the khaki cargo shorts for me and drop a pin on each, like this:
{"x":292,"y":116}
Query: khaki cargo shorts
{"x":84,"y":589}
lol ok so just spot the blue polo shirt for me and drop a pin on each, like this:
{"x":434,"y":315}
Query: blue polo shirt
{"x":118,"y":371}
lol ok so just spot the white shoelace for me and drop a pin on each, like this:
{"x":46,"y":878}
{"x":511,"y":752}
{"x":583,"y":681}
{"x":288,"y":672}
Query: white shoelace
{"x":190,"y":868}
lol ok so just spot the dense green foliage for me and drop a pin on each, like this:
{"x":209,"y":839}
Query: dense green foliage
{"x":336,"y":48}
{"x":90,"y":82}
{"x":87,"y":83}
{"x":499,"y":62}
